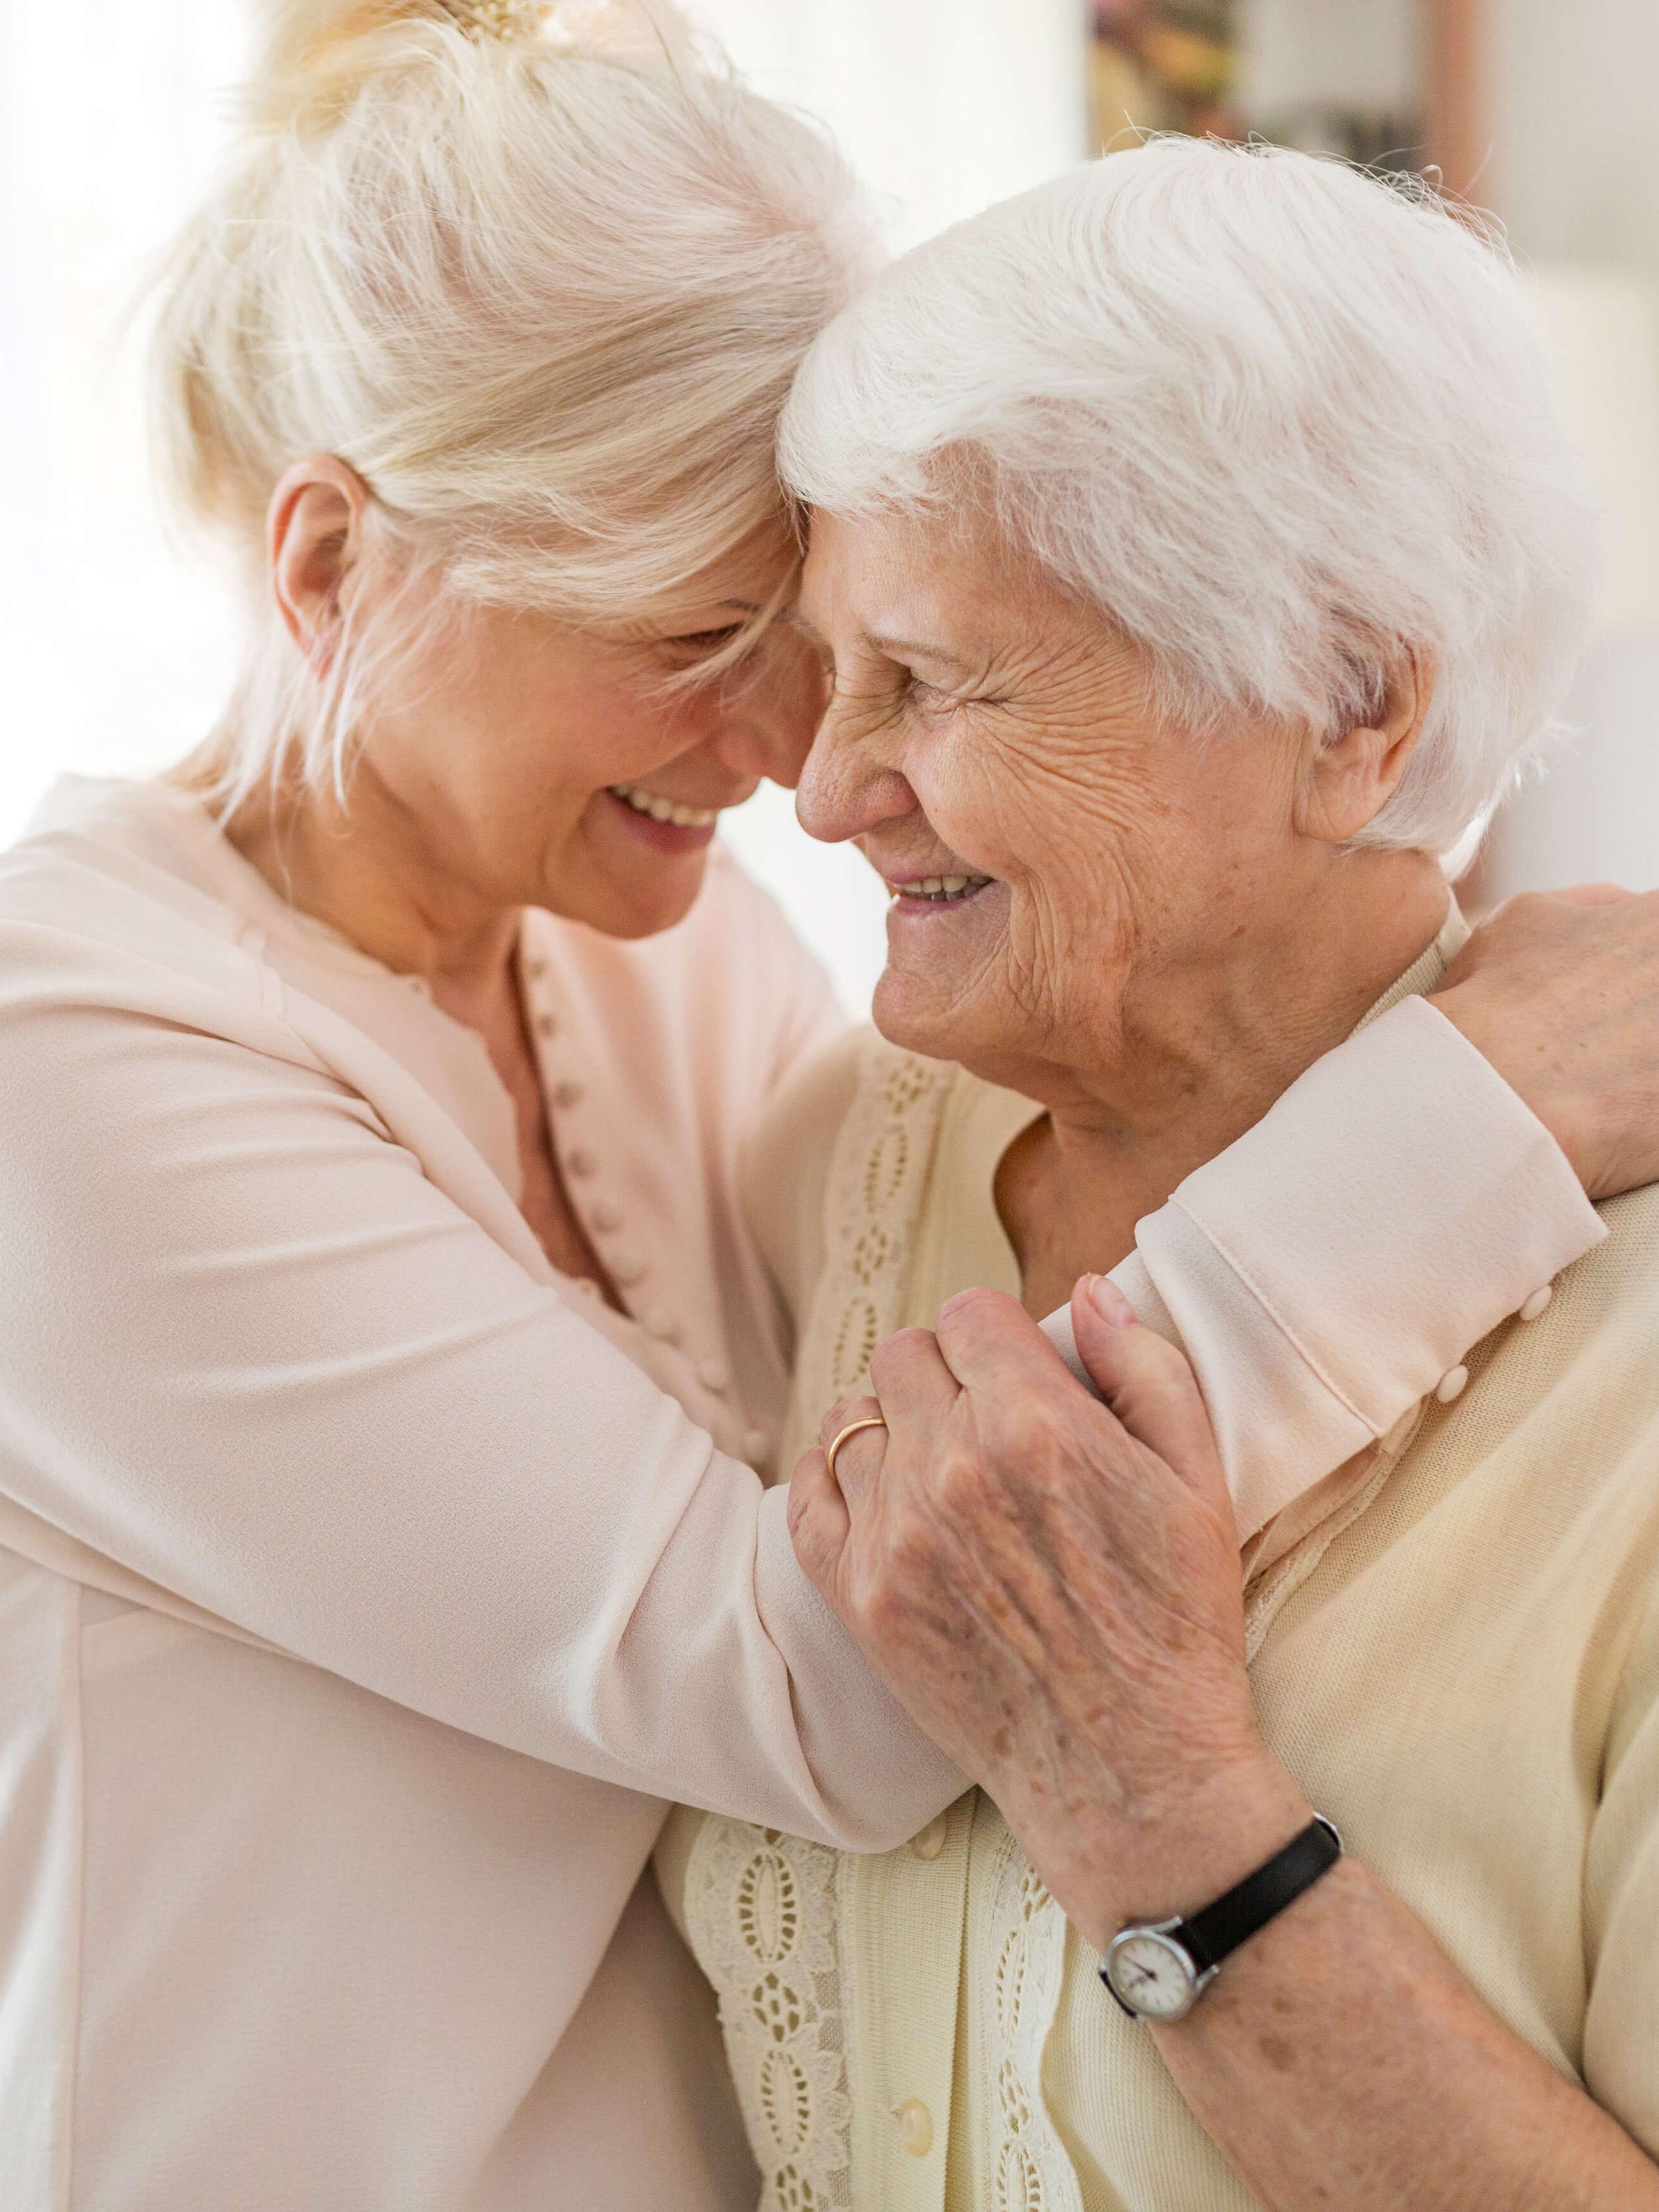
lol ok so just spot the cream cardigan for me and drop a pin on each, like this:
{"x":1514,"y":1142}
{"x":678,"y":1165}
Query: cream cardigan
{"x":1455,"y":1646}
{"x":365,"y":1587}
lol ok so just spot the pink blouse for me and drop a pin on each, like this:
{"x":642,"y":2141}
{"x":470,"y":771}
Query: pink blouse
{"x":366,"y":1589}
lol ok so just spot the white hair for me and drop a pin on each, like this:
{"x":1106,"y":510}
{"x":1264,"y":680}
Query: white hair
{"x":1280,"y":420}
{"x":545,"y":294}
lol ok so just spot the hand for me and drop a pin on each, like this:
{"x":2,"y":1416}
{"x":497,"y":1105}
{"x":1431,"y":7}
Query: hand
{"x":1051,"y":1585}
{"x":1559,"y":990}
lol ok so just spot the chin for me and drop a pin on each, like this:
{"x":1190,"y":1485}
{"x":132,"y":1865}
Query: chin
{"x":627,"y":910}
{"x":913,"y":1016}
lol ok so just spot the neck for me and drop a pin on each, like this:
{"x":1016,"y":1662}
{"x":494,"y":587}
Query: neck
{"x":1189,"y":1070}
{"x":371,"y":874}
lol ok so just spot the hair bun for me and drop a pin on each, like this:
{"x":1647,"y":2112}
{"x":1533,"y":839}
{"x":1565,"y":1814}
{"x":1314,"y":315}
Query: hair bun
{"x":318,"y":54}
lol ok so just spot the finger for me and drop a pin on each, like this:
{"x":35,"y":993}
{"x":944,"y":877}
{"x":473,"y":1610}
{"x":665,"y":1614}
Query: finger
{"x":917,"y":1390}
{"x":858,"y":1463}
{"x":989,"y":1341}
{"x":1595,"y":894}
{"x":843,"y":1411}
{"x":819,"y":1523}
{"x":1148,"y":1384}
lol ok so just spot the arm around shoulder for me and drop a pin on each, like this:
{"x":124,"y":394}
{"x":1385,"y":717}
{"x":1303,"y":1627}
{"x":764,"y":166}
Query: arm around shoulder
{"x":249,"y":1350}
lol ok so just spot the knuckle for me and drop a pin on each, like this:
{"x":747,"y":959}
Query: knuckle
{"x":1029,"y":1430}
{"x":893,"y":1352}
{"x":974,"y":1304}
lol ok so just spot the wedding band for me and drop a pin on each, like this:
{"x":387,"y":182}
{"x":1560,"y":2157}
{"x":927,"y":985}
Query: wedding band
{"x":867,"y":1421}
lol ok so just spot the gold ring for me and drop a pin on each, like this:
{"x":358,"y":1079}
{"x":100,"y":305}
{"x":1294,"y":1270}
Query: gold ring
{"x":867,"y":1421}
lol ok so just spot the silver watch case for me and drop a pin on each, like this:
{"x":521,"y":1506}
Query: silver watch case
{"x":1151,"y":1974}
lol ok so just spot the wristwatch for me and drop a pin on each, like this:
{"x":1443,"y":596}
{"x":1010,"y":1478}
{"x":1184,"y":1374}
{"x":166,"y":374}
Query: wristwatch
{"x":1156,"y":1971}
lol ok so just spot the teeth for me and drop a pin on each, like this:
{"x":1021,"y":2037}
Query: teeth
{"x":664,"y":810}
{"x":940,"y":890}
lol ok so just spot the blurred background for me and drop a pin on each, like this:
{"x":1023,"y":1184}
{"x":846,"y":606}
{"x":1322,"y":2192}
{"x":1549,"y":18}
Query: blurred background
{"x":117,"y":650}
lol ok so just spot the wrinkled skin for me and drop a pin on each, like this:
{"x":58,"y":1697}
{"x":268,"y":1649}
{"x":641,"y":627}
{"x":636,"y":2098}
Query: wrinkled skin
{"x":1560,"y":991}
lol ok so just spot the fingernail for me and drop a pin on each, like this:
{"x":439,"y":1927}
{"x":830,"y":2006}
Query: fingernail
{"x":1108,"y":1301}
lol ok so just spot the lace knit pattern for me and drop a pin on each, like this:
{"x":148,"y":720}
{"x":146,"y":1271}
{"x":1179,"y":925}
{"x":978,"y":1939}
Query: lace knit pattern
{"x":873,"y":1200}
{"x":1030,"y":2169}
{"x":762,"y":1907}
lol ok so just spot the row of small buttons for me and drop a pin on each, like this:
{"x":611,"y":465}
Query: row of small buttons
{"x":1456,"y":1380}
{"x":626,"y":1265}
{"x":915,"y":2122}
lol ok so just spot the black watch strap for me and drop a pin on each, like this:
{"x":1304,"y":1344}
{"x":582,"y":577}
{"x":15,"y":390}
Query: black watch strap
{"x":1210,"y":1935}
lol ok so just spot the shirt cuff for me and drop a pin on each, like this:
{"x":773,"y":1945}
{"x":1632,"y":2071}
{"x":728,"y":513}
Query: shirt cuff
{"x":1326,"y":1272}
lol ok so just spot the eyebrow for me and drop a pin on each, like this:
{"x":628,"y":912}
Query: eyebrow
{"x":909,"y":649}
{"x":894,"y":648}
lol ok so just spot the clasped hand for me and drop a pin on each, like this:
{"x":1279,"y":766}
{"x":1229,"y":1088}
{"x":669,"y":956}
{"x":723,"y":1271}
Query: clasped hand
{"x":1051,"y":1586}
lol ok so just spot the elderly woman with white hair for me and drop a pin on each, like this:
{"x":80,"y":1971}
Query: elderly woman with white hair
{"x":385,"y":1362}
{"x":1195,"y":553}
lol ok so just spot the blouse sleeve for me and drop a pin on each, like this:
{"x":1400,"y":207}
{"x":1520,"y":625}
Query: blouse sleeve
{"x":249,"y":1350}
{"x":1329,"y":1269}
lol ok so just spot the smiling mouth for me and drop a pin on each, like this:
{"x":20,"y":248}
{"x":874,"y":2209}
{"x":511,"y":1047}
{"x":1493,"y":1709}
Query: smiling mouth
{"x":664,"y":810}
{"x":939,"y":890}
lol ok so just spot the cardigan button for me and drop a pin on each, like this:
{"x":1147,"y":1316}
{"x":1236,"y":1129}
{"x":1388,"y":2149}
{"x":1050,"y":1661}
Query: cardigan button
{"x":605,"y":1216}
{"x":567,"y":1094}
{"x":1536,"y":1303}
{"x":755,"y":1445}
{"x":581,"y":1162}
{"x":1452,"y":1384}
{"x":714,"y":1375}
{"x":930,"y":1841}
{"x":915,"y":2127}
{"x":548,"y":1024}
{"x":659,"y":1322}
{"x":627,"y":1267}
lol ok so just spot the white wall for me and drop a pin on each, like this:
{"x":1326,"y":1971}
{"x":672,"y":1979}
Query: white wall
{"x":1329,"y":53}
{"x":115,"y":655}
{"x":1575,"y":163}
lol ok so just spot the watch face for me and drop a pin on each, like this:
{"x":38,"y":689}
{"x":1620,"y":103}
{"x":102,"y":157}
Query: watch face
{"x":1151,"y":1974}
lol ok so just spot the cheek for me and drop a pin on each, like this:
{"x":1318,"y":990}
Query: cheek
{"x":1066,"y":847}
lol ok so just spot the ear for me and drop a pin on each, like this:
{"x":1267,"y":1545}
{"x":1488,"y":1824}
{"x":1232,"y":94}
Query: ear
{"x":313,"y":538}
{"x":1350,"y":777}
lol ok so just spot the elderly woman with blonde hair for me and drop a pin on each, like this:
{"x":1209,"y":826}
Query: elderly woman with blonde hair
{"x":385,"y":1365}
{"x":1195,"y":552}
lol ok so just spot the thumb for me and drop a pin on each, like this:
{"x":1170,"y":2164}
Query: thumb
{"x":1147,"y":1384}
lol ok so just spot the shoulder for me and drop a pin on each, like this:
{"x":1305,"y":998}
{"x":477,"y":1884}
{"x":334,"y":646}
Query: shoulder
{"x":92,"y":935}
{"x":731,"y":992}
{"x":738,"y":922}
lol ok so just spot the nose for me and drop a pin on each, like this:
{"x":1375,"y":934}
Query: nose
{"x":848,"y":786}
{"x":764,"y":723}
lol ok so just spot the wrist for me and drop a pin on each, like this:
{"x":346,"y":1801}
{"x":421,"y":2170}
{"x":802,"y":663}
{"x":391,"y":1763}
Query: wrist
{"x":1171,"y":1863}
{"x":1531,"y":1068}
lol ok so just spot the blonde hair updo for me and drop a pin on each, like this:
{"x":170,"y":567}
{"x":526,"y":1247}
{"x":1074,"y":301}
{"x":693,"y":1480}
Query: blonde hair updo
{"x":542,"y":283}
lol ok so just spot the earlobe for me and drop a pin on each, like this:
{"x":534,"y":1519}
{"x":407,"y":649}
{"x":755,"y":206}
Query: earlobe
{"x":313,"y":530}
{"x":1350,"y":777}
